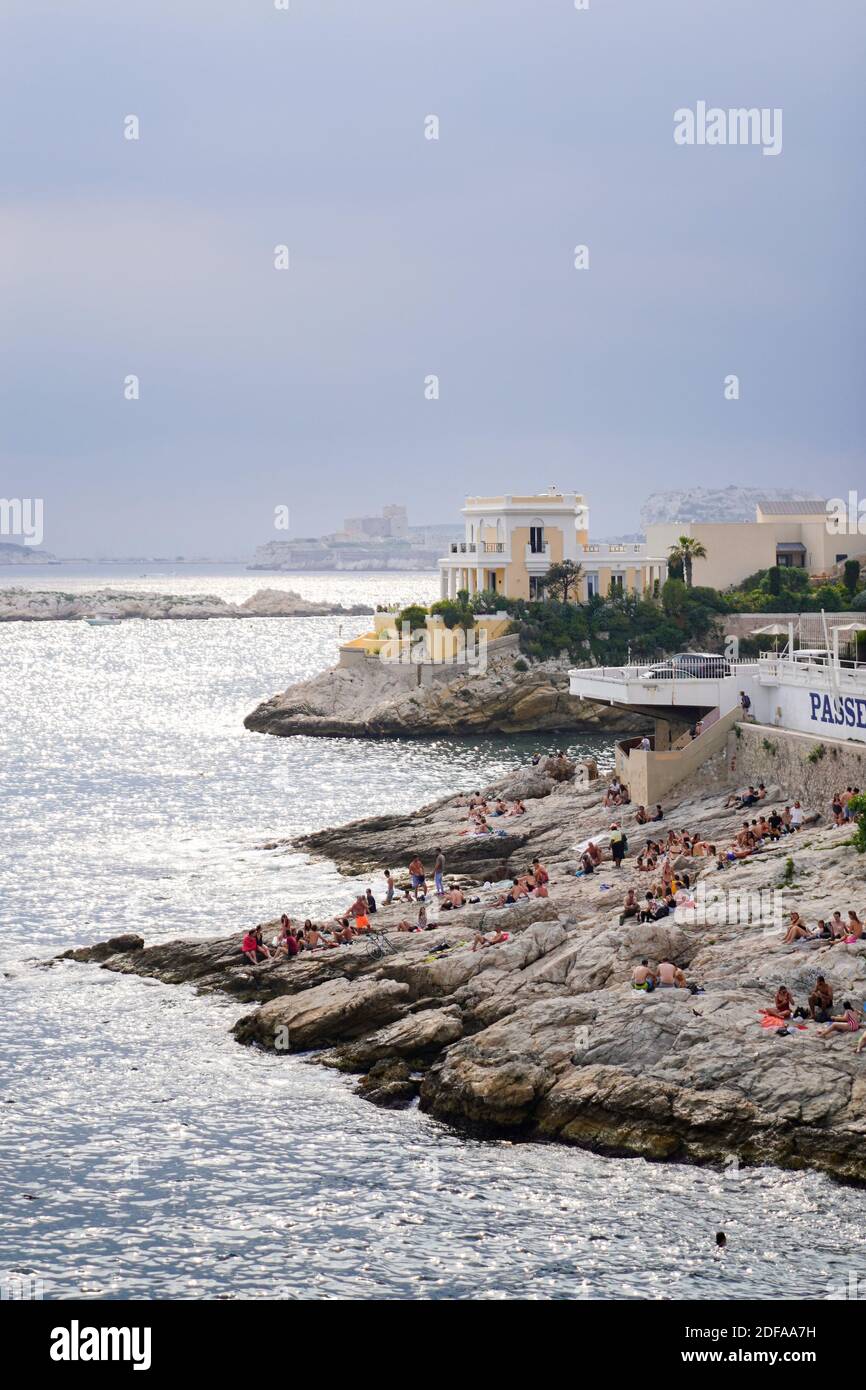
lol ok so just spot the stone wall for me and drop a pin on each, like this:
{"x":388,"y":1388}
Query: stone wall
{"x":762,"y":753}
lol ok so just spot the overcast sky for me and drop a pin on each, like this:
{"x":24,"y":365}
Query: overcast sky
{"x":411,"y":257}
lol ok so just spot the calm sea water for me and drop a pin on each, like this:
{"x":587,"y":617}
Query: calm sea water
{"x":143,"y":1154}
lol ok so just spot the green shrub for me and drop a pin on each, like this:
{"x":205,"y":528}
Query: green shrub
{"x":521,"y":664}
{"x":414,"y":615}
{"x":817,"y":753}
{"x":857,"y":807}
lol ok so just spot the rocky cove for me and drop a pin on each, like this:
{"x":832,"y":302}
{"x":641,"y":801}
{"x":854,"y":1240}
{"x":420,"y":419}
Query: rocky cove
{"x":542,"y":1037}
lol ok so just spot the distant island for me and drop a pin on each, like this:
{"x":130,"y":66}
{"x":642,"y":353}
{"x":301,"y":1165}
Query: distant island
{"x":35,"y":605}
{"x":11,"y":553}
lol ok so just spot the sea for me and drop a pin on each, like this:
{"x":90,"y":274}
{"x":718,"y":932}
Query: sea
{"x":143,"y":1153}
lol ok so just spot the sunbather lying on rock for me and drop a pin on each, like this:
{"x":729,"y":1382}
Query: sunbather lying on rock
{"x":491,"y":938}
{"x":847,"y":1022}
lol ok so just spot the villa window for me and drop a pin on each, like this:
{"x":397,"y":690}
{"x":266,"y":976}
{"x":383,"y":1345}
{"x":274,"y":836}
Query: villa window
{"x":536,"y":538}
{"x":536,"y":588}
{"x":591,"y":585}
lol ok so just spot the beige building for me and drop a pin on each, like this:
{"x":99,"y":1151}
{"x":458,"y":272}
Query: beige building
{"x":783,"y":533}
{"x":511,"y":541}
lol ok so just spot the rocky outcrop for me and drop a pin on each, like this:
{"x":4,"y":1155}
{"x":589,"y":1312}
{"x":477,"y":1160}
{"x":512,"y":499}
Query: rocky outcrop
{"x":542,"y":1036}
{"x":34,"y":605}
{"x":376,"y":699}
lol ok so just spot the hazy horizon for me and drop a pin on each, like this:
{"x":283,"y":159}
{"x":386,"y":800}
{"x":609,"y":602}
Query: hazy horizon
{"x":411,"y":257}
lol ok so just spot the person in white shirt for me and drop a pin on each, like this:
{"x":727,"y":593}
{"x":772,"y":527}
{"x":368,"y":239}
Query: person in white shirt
{"x":796,"y":816}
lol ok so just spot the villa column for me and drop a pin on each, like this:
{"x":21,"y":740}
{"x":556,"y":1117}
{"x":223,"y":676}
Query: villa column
{"x":452,"y":582}
{"x":479,"y":579}
{"x":443,"y":581}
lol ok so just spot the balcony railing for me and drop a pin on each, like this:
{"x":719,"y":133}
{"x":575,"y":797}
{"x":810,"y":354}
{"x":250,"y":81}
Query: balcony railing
{"x":494,"y":547}
{"x":462,"y":547}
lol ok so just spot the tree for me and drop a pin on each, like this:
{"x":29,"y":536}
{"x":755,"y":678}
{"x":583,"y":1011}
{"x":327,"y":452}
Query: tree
{"x":561,"y":578}
{"x":851,"y":576}
{"x":685,"y":552}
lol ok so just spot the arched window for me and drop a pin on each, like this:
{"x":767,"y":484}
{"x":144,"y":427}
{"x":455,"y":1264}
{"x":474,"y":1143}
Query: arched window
{"x":536,"y":536}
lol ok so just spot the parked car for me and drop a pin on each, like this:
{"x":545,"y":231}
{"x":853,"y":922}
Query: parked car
{"x":685,"y":665}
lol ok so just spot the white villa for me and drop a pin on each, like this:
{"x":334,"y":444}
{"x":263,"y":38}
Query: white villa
{"x":511,"y":541}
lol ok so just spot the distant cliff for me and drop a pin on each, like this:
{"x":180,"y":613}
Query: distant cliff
{"x":711,"y":504}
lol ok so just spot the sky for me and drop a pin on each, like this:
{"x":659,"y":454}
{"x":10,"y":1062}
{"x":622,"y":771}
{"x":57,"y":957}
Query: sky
{"x":409,"y":258}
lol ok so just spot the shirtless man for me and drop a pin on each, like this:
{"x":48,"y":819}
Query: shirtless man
{"x":642,"y":977}
{"x":821,"y":1001}
{"x":667,"y":975}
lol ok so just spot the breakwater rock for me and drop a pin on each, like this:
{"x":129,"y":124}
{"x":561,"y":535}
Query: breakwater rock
{"x":377,"y":699}
{"x":542,"y":1036}
{"x":49,"y":605}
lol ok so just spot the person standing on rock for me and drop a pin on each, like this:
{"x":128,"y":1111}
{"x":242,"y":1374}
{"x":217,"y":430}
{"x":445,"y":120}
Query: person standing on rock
{"x":416,"y":874}
{"x":389,"y":888}
{"x":438,"y":871}
{"x":617,"y":845}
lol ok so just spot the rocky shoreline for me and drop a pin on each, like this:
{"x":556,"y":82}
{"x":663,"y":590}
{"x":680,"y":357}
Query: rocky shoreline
{"x":375,"y":700}
{"x":542,"y":1037}
{"x":34,"y":605}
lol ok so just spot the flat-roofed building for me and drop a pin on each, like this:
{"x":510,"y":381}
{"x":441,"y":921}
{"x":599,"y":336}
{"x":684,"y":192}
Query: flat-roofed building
{"x":783,"y":533}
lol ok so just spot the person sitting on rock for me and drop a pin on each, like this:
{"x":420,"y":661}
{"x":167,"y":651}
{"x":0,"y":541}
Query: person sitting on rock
{"x":253,"y":947}
{"x":287,"y":942}
{"x":642,"y":977}
{"x":641,"y":815}
{"x":783,"y":1005}
{"x":453,"y":899}
{"x":666,"y":974}
{"x":630,"y":907}
{"x":837,"y":927}
{"x":517,"y":809}
{"x":648,"y":912}
{"x":847,"y":1022}
{"x":658,"y":813}
{"x":612,"y":794}
{"x":517,"y":891}
{"x":854,"y":928}
{"x":797,"y":930}
{"x":539,"y":872}
{"x":821,"y":1001}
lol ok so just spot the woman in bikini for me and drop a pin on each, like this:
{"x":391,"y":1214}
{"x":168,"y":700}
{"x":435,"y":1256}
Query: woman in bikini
{"x":846,"y":1022}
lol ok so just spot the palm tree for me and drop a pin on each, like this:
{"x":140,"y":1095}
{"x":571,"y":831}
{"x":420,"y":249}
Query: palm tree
{"x":685,"y":552}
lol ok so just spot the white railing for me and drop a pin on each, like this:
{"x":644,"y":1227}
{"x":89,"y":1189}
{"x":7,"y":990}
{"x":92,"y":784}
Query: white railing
{"x":848,"y":675}
{"x":668,"y":670}
{"x":600,"y":552}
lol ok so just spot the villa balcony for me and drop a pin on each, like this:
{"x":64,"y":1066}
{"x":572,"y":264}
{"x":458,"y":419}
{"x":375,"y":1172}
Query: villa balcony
{"x":537,"y":561}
